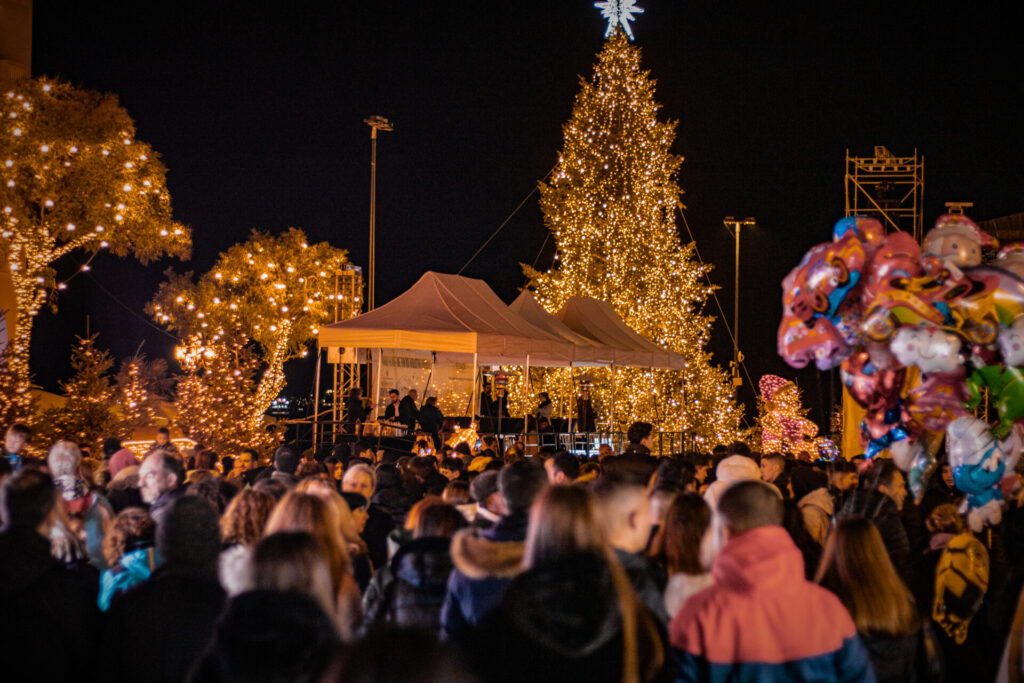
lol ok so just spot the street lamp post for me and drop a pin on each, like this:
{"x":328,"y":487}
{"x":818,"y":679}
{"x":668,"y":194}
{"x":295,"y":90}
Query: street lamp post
{"x":375,"y":123}
{"x":737,"y":357}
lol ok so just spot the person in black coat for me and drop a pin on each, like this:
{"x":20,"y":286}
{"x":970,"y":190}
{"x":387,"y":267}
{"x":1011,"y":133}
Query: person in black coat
{"x":881,"y":502}
{"x":355,"y":411}
{"x":410,"y":591}
{"x":432,"y":420}
{"x":48,"y":615}
{"x":158,"y":629}
{"x":408,"y":413}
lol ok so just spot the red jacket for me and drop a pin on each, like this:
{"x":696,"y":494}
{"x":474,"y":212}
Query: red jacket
{"x":762,"y":620}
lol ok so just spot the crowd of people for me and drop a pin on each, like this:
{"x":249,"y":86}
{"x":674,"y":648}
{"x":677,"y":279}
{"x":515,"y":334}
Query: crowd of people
{"x":480,"y":563}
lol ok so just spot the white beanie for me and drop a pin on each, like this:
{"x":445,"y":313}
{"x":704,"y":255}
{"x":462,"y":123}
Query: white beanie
{"x":731,"y":470}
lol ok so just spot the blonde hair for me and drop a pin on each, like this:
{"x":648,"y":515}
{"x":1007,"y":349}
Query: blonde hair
{"x":856,"y":567}
{"x":346,"y":522}
{"x":63,"y":459}
{"x":564,"y":521}
{"x":361,"y":467}
{"x":306,"y":512}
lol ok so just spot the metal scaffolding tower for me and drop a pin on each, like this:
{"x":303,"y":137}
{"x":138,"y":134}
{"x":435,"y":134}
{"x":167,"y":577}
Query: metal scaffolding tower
{"x":888,"y":187}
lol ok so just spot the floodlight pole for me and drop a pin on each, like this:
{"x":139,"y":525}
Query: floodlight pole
{"x":375,"y":123}
{"x":737,"y":357}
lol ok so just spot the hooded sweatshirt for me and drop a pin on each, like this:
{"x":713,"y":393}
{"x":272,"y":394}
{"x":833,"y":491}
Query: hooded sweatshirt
{"x":816,"y":508}
{"x":762,"y":620}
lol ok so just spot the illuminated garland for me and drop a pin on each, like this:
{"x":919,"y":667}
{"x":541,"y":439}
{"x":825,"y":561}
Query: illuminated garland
{"x":610,"y":205}
{"x":72,"y":177}
{"x":261,"y":304}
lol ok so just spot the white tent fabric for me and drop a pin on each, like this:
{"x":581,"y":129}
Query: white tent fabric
{"x":456,"y":317}
{"x":597,"y":320}
{"x":587,"y":351}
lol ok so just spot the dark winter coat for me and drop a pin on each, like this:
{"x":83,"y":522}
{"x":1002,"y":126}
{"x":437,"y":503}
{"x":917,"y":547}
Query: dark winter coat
{"x":409,"y":592}
{"x":898,"y":659}
{"x":560,"y":621}
{"x":485,"y":561}
{"x":882,"y":511}
{"x":269,"y":635}
{"x":641,"y":576}
{"x":378,"y":525}
{"x":48,"y":615}
{"x":155,"y":631}
{"x":408,"y":413}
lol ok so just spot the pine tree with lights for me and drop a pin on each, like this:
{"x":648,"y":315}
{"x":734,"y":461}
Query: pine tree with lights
{"x":610,"y":204}
{"x":87,"y":416}
{"x":141,"y":385}
{"x":73,"y":179}
{"x":783,"y":419}
{"x":258,"y":307}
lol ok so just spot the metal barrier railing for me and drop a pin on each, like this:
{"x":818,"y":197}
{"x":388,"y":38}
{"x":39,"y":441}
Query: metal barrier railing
{"x":323,"y":435}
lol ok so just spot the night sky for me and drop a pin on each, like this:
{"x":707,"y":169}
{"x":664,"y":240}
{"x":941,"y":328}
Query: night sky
{"x":258,"y":116}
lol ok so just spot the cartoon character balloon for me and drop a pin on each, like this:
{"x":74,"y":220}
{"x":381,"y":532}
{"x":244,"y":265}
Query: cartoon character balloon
{"x":957,"y":240}
{"x":929,"y":348}
{"x":979,"y":461}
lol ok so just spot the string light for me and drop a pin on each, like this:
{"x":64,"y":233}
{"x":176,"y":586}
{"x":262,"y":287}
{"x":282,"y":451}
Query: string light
{"x":266,"y":321}
{"x":78,"y":180}
{"x":610,"y":205}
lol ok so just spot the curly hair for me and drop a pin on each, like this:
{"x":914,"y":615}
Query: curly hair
{"x":245,"y":517}
{"x":132,"y":526}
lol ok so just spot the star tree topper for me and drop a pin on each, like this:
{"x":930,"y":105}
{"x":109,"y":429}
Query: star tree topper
{"x":618,"y":12}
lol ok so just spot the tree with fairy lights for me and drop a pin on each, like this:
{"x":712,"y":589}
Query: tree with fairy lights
{"x":258,"y":307}
{"x":783,"y":419}
{"x":87,"y":415}
{"x":610,"y":204}
{"x":73,"y":178}
{"x":141,"y":384}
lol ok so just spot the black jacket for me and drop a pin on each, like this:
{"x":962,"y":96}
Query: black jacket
{"x":157,"y":630}
{"x":557,"y":622}
{"x":410,"y":591}
{"x":882,"y":511}
{"x":269,"y":636}
{"x":48,"y":615}
{"x":408,"y":413}
{"x":431,"y":419}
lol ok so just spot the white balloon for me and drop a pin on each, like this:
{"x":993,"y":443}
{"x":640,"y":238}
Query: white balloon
{"x":929,"y":348}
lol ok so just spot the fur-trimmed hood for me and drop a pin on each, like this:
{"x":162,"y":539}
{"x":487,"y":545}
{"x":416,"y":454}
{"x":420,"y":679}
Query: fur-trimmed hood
{"x":480,"y":558}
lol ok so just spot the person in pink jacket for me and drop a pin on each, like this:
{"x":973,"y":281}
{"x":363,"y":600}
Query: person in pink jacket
{"x":761,"y":619}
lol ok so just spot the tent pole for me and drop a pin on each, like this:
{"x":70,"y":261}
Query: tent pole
{"x":613,"y":424}
{"x":316,"y":396}
{"x":376,"y":383}
{"x":526,"y":376}
{"x":572,"y":396}
{"x":474,"y":399}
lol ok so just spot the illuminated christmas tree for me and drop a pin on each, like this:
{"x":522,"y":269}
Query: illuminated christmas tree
{"x":87,"y":415}
{"x":610,"y":205}
{"x":141,"y":385}
{"x":73,"y":179}
{"x":258,"y":307}
{"x":783,"y":419}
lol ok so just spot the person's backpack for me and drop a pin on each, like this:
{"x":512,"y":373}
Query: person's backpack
{"x":961,"y":579}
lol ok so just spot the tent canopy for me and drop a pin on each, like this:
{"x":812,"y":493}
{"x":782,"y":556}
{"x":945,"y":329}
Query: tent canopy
{"x":598,"y":320}
{"x":587,"y":351}
{"x":455,"y":317}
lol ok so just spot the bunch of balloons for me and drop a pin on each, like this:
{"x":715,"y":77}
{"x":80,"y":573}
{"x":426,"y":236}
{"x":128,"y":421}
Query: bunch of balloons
{"x":875,"y":305}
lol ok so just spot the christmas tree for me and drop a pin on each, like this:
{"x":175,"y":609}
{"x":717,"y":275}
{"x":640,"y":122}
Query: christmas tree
{"x":783,"y":419}
{"x":141,"y":385}
{"x":610,"y":205}
{"x":87,"y":415}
